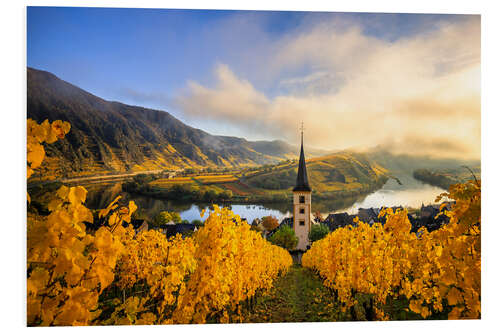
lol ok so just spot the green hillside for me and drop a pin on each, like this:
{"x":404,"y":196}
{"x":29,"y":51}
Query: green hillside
{"x":331,"y":173}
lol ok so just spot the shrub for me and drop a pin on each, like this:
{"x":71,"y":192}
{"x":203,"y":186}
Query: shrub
{"x":166,"y":217}
{"x":197,"y":223}
{"x":270,"y":223}
{"x":285,"y":237}
{"x":317,"y":232}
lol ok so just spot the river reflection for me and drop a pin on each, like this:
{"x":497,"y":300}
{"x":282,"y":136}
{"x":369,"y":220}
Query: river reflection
{"x":411,"y":194}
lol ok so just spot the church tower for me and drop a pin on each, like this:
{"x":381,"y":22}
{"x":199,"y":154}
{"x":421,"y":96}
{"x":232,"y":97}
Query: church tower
{"x":302,"y":201}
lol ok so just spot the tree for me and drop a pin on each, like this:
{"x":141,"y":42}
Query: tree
{"x":210,"y":196}
{"x":285,"y":237}
{"x":270,"y":223}
{"x":318,"y":217}
{"x":318,"y":231}
{"x":256,"y":221}
{"x":226,"y":195}
{"x":197,"y":223}
{"x":142,"y":179}
{"x":166,"y":217}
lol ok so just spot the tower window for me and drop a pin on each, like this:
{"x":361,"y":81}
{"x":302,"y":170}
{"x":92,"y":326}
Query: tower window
{"x":302,"y":211}
{"x":302,"y":222}
{"x":302,"y":199}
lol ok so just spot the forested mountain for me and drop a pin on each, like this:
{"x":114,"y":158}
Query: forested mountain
{"x":111,"y":136}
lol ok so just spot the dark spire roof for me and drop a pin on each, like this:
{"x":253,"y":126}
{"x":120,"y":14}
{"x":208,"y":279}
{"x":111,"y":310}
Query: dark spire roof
{"x":302,"y":181}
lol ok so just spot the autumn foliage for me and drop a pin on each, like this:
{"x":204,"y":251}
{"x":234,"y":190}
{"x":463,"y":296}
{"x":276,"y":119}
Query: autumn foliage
{"x":270,"y":223}
{"x":437,"y":272}
{"x":78,"y":275}
{"x":114,"y":276}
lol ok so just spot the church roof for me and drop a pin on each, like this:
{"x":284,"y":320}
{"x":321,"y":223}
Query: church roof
{"x":302,"y":181}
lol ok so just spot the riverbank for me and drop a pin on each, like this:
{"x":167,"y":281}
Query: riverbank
{"x":219,"y":193}
{"x":408,"y":194}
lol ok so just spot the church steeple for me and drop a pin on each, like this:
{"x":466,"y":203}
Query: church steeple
{"x":302,"y":183}
{"x":302,"y":201}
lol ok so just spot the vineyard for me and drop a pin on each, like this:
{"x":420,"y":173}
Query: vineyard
{"x":216,"y":179}
{"x":166,"y":182}
{"x":435,"y":272}
{"x":113,"y":276}
{"x":94,"y":269}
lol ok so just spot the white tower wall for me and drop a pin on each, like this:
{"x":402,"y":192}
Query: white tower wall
{"x":302,"y":220}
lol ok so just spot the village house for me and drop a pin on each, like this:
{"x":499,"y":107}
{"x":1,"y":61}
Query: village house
{"x":368,"y":215}
{"x":338,"y":220}
{"x":172,"y":229}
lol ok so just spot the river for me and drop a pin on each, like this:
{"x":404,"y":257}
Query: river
{"x":412,"y":193}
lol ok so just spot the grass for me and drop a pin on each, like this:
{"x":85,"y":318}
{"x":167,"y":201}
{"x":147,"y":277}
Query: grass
{"x":298,"y":296}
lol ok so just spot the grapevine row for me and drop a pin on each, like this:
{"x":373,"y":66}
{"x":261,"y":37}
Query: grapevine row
{"x":437,"y":272}
{"x":77,"y":276}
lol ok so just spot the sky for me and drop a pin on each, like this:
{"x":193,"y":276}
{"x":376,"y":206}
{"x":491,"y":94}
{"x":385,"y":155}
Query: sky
{"x":407,"y":82}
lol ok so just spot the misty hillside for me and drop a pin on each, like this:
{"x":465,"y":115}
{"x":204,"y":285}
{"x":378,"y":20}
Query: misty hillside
{"x":404,"y":163}
{"x":110,"y":136}
{"x":403,"y":166}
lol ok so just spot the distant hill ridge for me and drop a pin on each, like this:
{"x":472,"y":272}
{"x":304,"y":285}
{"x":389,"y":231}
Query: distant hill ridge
{"x":341,"y":171}
{"x":111,"y":136}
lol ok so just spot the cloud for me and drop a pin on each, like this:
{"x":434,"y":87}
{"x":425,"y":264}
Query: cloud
{"x":420,"y":92}
{"x":232,"y":100}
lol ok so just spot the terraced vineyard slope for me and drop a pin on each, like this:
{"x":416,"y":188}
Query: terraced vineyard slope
{"x":111,"y":137}
{"x":328,"y":174}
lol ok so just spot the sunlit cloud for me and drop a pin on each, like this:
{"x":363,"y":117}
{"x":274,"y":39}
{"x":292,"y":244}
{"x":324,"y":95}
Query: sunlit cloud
{"x":418,"y":94}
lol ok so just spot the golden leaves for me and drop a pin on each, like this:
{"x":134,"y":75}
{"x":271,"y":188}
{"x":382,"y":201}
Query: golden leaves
{"x":389,"y":260}
{"x":187,"y":278}
{"x":439,"y":250}
{"x":37,"y":280}
{"x":36,"y":153}
{"x":111,"y":206}
{"x":77,"y":195}
{"x":58,"y":130}
{"x":66,"y":252}
{"x":105,"y":275}
{"x":132,"y":207}
{"x":38,"y":134}
{"x":193,"y":277}
{"x":454,"y":296}
{"x":103,"y":239}
{"x":232,"y":263}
